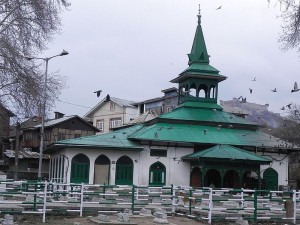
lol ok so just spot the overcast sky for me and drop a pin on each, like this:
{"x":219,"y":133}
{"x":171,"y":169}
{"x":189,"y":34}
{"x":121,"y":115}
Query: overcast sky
{"x":132,"y":49}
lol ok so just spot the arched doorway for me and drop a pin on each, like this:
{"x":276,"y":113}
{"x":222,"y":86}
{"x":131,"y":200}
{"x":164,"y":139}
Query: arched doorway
{"x":101,"y":170}
{"x":80,"y":169}
{"x":231,"y":179}
{"x":124,"y":171}
{"x":213,"y":178}
{"x":271,"y":179}
{"x":157,"y":174}
{"x":196,"y":177}
{"x":250,"y":180}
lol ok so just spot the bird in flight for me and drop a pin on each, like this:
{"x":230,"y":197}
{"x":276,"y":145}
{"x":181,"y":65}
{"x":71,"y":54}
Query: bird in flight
{"x":251,"y":90}
{"x":98,"y":92}
{"x":254,"y":79}
{"x":274,"y":90}
{"x":219,"y":7}
{"x":282,"y":108}
{"x":289,"y":105}
{"x":295,"y":87}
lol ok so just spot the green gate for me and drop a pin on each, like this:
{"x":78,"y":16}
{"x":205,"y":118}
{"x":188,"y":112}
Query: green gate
{"x":157,"y":176}
{"x":80,"y":169}
{"x":271,"y":179}
{"x":124,"y":171}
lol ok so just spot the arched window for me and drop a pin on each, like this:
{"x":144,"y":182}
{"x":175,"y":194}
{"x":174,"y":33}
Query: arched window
{"x":124,"y":171}
{"x":157,"y":174}
{"x":80,"y":169}
{"x":196,"y":177}
{"x":203,"y":91}
{"x":101,"y":170}
{"x":212,"y":92}
{"x":213,"y":178}
{"x":193,"y":90}
{"x":231,"y":180}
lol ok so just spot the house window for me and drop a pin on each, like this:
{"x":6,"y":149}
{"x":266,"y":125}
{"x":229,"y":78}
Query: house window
{"x":158,"y":152}
{"x":61,"y":136}
{"x":100,"y":125}
{"x":115,"y":122}
{"x":33,"y":165}
{"x":112,"y":106}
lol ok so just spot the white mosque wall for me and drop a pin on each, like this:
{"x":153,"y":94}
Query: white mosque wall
{"x":177,"y":172}
{"x":280,"y":163}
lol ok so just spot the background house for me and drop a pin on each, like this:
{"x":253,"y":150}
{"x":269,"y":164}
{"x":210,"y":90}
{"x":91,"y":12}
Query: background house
{"x":60,"y":128}
{"x":5,"y":116}
{"x":112,"y":112}
{"x":160,"y":105}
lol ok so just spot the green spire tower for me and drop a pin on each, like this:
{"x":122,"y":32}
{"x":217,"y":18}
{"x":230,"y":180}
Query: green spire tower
{"x":199,"y":82}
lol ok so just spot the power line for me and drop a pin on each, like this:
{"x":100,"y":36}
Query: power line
{"x":75,"y":104}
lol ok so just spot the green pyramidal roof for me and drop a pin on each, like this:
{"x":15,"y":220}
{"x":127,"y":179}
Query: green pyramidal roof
{"x":200,"y":112}
{"x":199,"y":60}
{"x":199,"y":52}
{"x":201,"y":134}
{"x":227,"y":152}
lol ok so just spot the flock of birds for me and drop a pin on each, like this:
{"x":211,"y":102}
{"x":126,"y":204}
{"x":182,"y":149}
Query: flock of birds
{"x":295,"y":89}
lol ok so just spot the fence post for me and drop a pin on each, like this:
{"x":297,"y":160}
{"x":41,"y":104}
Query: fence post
{"x":45,"y":201}
{"x":242,"y":198}
{"x":132,"y":199}
{"x":173,"y":199}
{"x":295,"y":206}
{"x":190,"y":201}
{"x":210,"y":205}
{"x":255,"y":206}
{"x":81,"y":200}
{"x":34,"y":196}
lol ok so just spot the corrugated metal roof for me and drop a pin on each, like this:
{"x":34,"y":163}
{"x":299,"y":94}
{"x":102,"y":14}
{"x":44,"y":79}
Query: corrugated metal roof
{"x":117,"y":139}
{"x":143,"y":118}
{"x":24,"y":154}
{"x":200,"y":134}
{"x":123,"y":102}
{"x":50,"y":123}
{"x":227,"y":152}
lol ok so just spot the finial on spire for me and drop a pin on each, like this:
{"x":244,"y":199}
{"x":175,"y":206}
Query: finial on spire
{"x":199,"y":15}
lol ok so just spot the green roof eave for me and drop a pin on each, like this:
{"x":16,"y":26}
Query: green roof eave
{"x":186,"y":75}
{"x":56,"y":147}
{"x":203,"y":105}
{"x":227,"y":152}
{"x":200,"y":134}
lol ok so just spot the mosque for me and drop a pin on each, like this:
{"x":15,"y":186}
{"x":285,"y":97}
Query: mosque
{"x":197,"y":144}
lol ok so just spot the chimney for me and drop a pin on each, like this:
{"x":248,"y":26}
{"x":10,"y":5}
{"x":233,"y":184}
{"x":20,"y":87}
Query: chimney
{"x":58,"y":115}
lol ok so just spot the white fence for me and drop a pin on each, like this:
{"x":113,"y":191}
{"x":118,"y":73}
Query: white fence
{"x":209,"y":204}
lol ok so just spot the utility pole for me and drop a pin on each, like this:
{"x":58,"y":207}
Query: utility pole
{"x":18,"y":126}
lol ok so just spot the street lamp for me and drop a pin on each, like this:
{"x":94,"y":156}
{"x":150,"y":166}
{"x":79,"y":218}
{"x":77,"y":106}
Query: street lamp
{"x":64,"y":52}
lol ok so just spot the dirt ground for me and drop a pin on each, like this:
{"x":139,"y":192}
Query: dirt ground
{"x":51,"y":220}
{"x":55,"y":220}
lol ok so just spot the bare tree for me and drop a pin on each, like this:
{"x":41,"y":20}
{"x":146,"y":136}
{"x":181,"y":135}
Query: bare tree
{"x":290,"y":36}
{"x":289,"y":129}
{"x":26,"y":26}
